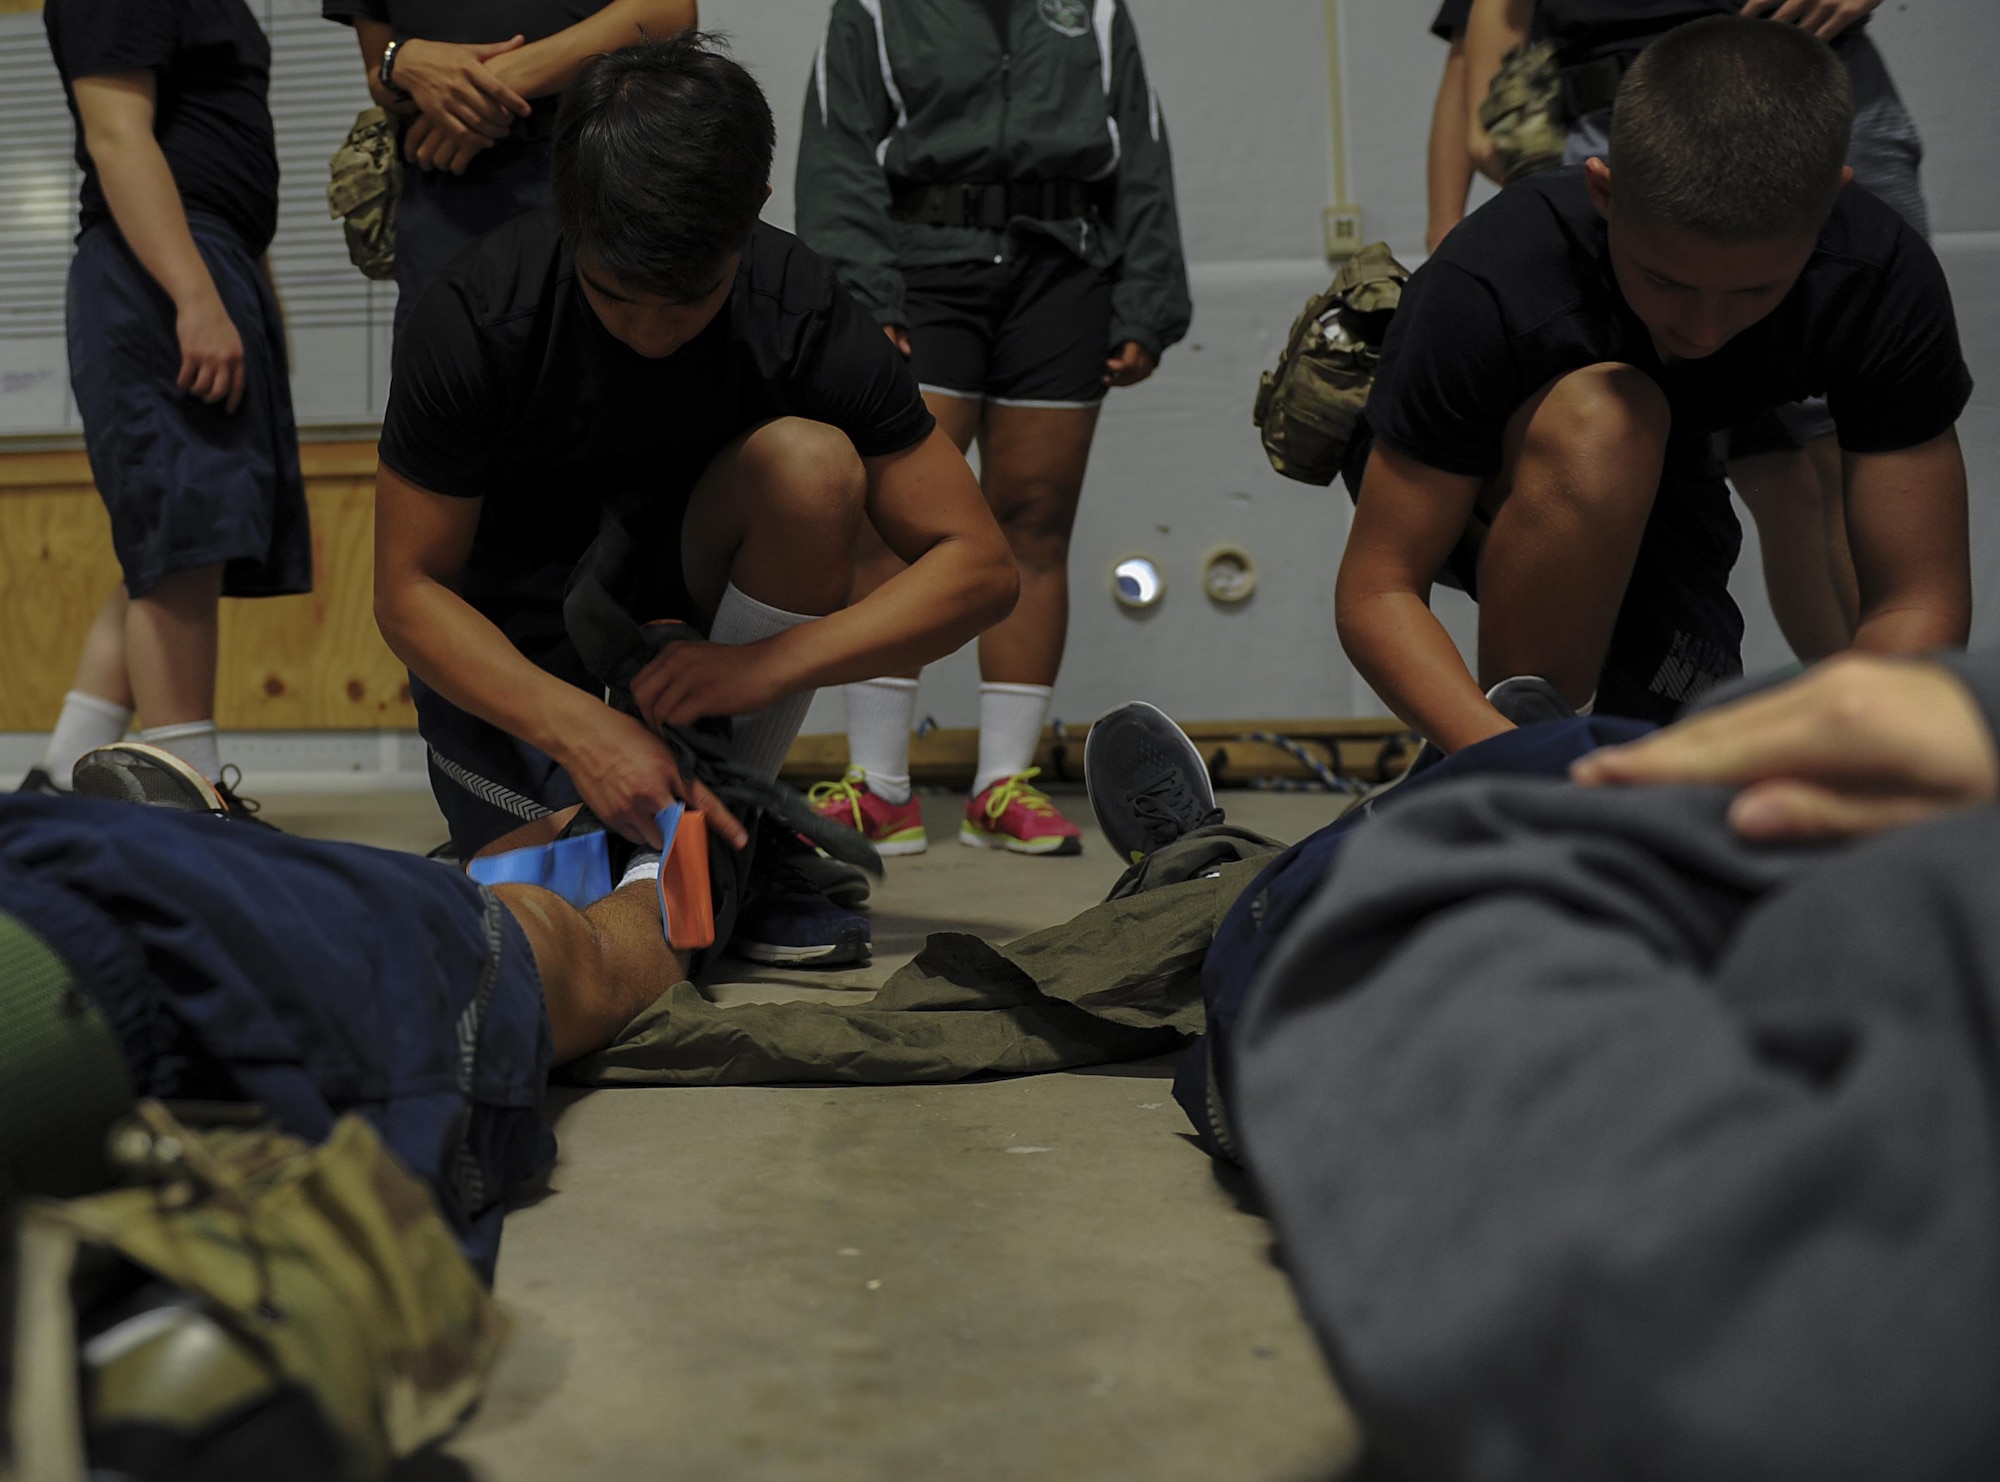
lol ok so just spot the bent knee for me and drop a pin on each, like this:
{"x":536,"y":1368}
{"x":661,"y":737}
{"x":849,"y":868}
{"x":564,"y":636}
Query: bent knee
{"x":1609,"y":404}
{"x":806,"y":468}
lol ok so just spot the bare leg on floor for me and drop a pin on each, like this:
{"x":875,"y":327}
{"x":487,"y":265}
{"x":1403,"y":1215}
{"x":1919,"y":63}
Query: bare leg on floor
{"x":601,"y":967}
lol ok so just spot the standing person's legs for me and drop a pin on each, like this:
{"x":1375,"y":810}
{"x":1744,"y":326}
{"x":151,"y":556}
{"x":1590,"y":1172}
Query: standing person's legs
{"x":98,"y":708}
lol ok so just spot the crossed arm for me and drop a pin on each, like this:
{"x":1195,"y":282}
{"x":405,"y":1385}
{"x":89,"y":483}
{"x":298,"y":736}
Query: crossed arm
{"x":464,"y":97}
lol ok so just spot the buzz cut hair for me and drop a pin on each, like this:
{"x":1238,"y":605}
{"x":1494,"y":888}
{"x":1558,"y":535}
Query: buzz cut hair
{"x":1733,"y":129}
{"x":662,"y":163}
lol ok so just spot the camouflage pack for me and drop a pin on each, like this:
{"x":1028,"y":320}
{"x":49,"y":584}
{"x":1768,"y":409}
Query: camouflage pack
{"x":1523,"y":111}
{"x":367,"y":179}
{"x":1307,"y":406}
{"x":245,"y":1296}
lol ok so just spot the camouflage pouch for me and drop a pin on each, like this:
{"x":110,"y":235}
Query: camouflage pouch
{"x":1308,"y":404}
{"x":367,"y":179}
{"x":294,"y":1310}
{"x":1523,"y":111}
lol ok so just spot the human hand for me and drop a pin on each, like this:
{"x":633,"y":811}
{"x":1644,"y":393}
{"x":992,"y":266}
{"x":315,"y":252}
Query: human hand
{"x":685,"y":682}
{"x":1852,"y":747}
{"x":628,"y":776}
{"x":451,"y":81}
{"x":1825,"y":19}
{"x":899,"y":337}
{"x":211,"y":352}
{"x":432,"y":143}
{"x":1131,"y":365}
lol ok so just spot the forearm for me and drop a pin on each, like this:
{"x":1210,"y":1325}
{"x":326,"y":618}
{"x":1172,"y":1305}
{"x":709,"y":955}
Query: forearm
{"x":546,"y":66}
{"x":1907,"y":529}
{"x":458,"y":652}
{"x":146,"y":205}
{"x":1402,"y":650}
{"x":947,"y":597}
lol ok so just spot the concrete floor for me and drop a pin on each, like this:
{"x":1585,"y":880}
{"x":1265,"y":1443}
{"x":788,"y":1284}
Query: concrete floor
{"x":1036,"y":1278}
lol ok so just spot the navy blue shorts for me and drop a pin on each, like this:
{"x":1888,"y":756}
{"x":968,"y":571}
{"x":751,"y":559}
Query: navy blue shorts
{"x":440,"y":214}
{"x":315,"y":979}
{"x":1261,"y":916}
{"x":187,"y":484}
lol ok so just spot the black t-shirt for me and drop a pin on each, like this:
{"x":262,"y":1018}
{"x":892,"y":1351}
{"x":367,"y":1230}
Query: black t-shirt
{"x":1450,"y":19}
{"x":458,"y":20}
{"x":507,"y":387}
{"x":213,"y":67}
{"x":1584,"y":29}
{"x":1522,"y":291}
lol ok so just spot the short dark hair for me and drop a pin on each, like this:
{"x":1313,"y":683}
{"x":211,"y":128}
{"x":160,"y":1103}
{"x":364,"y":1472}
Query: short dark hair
{"x":662,"y":162}
{"x":1732,"y":128}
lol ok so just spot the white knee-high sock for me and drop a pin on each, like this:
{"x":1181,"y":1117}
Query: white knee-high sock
{"x":193,"y":742}
{"x":879,"y":713}
{"x":86,"y":723}
{"x":1010,"y":727}
{"x":762,"y":739}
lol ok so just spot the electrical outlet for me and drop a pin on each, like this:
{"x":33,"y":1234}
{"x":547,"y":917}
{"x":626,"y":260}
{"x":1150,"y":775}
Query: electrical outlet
{"x":1343,"y":232}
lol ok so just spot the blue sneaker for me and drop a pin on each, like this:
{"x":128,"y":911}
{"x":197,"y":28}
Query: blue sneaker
{"x":787,"y":920}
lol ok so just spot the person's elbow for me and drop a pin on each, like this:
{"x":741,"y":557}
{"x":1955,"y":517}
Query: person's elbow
{"x":993,"y":581}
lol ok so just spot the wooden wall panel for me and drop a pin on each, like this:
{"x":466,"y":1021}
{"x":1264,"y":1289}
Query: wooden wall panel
{"x":314,"y":662}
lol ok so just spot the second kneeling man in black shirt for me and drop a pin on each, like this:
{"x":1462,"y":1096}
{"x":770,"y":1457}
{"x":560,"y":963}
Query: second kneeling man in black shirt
{"x":1543,"y":416}
{"x":651,"y":369}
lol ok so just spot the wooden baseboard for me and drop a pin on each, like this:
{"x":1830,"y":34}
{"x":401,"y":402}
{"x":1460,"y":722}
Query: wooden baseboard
{"x":1369,"y":749}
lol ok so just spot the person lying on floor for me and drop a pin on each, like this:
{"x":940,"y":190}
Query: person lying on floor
{"x":1618,"y":1130}
{"x":315,"y":979}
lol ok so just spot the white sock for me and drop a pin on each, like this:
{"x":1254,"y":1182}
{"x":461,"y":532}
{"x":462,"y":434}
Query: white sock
{"x":879,"y":713}
{"x":1010,"y":728}
{"x":193,"y":742}
{"x":762,"y":739}
{"x":645,"y":865}
{"x":85,"y":724}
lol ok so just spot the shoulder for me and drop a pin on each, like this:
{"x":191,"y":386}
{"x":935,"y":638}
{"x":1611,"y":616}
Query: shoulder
{"x":782,"y":281}
{"x":1862,"y":231}
{"x":1537,"y":248}
{"x":505,"y":278}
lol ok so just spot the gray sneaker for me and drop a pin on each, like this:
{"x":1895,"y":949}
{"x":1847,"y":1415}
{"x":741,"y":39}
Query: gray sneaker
{"x":1148,"y":784}
{"x":133,"y":772}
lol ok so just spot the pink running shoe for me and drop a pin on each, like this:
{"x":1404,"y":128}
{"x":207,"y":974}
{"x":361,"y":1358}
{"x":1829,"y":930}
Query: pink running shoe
{"x":893,"y":828}
{"x":1014,"y":814}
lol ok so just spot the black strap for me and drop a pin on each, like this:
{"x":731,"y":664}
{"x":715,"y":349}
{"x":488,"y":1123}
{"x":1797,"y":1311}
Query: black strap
{"x":992,"y":205}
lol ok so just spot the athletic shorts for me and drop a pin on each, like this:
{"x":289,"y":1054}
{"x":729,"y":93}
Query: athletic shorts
{"x":1032,"y":331}
{"x":187,"y":484}
{"x":1678,"y":632}
{"x":236,"y":963}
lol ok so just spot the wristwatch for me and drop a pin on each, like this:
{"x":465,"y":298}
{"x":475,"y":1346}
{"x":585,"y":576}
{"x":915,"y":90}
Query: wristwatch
{"x":386,"y":71}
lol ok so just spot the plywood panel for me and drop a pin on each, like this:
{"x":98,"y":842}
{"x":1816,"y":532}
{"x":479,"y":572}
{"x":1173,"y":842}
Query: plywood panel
{"x":314,"y":662}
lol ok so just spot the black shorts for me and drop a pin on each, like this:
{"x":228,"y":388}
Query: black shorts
{"x":1679,"y":632}
{"x":1033,"y":331}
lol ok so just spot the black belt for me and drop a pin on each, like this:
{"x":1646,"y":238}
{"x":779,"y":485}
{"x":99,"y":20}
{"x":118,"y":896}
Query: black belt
{"x":993,"y":206}
{"x":1591,"y":87}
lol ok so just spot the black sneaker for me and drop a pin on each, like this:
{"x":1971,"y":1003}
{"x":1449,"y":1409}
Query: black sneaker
{"x":237,"y":807}
{"x":39,"y":781}
{"x":786,"y":920}
{"x":133,"y":772}
{"x":1147,"y":783}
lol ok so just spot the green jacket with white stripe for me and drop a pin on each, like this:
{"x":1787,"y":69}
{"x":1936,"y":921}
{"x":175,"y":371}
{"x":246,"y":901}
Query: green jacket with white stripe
{"x":929,"y":92}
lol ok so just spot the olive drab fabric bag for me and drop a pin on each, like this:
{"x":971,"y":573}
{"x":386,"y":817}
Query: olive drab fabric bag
{"x":244,"y":1304}
{"x":1307,"y":406}
{"x":367,"y":179}
{"x":1523,"y":112}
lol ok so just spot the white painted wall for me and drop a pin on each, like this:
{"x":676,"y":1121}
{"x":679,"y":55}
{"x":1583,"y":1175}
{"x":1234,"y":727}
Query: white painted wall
{"x":1177,"y":466}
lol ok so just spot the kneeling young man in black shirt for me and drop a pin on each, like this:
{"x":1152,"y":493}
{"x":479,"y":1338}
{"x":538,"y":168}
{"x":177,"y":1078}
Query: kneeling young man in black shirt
{"x":652,"y":364}
{"x":1541,"y":423}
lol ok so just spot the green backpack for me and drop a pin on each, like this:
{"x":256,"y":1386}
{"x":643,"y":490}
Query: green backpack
{"x":1307,"y":406}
